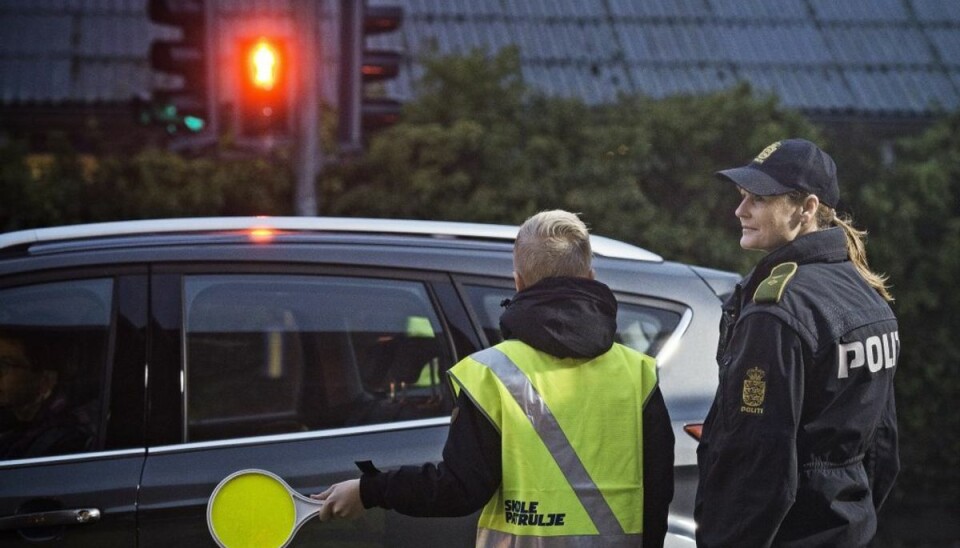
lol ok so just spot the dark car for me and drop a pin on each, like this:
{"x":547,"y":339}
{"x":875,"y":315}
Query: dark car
{"x":169,"y":354}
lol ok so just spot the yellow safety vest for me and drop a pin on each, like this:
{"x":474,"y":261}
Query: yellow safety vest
{"x":572,"y":438}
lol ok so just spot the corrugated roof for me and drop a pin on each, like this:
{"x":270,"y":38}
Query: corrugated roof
{"x":654,"y":9}
{"x":860,"y":12}
{"x":61,"y":51}
{"x":885,"y":45}
{"x":758,"y":10}
{"x":817,"y":55}
{"x":947,"y":44}
{"x":936,"y":11}
{"x":878,"y":57}
{"x":554,"y":9}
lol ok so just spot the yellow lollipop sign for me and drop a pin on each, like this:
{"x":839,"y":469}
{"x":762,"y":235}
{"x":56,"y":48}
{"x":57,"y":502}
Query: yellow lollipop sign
{"x":257,"y":509}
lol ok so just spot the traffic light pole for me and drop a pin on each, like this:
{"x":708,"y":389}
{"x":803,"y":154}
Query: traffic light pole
{"x":212,"y":48}
{"x":349,"y":77}
{"x":309,"y":157}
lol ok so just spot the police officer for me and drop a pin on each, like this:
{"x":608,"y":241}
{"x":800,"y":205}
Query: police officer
{"x":800,"y":445}
{"x":560,"y":434}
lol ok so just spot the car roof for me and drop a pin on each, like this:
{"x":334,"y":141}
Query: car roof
{"x":602,"y":246}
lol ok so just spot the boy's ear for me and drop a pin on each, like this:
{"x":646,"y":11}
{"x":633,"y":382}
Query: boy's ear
{"x":518,"y":281}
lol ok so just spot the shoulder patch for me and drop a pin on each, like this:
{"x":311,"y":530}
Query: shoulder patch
{"x":771,"y":289}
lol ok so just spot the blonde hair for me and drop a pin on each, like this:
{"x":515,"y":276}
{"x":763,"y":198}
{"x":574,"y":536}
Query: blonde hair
{"x":552,"y":243}
{"x":856,"y":244}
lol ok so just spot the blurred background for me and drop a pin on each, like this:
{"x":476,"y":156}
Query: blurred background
{"x":491,"y":110}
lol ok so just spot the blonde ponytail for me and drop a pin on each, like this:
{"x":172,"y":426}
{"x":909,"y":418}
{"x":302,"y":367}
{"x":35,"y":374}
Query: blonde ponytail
{"x":856,"y":248}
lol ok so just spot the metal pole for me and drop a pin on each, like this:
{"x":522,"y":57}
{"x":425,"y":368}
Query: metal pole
{"x":212,"y":53}
{"x":350,"y":80}
{"x":309,"y":158}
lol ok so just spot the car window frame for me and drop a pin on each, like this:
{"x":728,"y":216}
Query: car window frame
{"x":663,"y":356}
{"x":124,"y":338}
{"x":170,"y":277}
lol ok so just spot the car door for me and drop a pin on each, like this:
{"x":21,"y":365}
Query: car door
{"x":71,"y":430}
{"x":650,"y":325}
{"x":300,"y":371}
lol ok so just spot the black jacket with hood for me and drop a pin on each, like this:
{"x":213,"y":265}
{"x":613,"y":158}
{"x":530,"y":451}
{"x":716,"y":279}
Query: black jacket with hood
{"x":564,"y":317}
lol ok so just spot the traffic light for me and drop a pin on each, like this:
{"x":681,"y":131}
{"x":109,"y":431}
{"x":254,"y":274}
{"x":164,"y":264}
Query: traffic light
{"x":182,"y":106}
{"x":264,"y":101}
{"x":360,"y":112}
{"x":379,"y":65}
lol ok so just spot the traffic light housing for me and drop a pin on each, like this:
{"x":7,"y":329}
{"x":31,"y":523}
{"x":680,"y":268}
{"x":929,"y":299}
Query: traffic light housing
{"x":360,"y":113}
{"x":182,"y":107}
{"x":378,"y":65}
{"x":264,"y":100}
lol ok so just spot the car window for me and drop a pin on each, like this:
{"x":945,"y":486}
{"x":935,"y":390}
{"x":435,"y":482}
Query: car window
{"x":53,"y":353}
{"x":273,"y":353}
{"x":643,"y":327}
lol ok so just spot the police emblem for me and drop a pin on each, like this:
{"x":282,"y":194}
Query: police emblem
{"x":754,"y":391}
{"x":765,"y":153}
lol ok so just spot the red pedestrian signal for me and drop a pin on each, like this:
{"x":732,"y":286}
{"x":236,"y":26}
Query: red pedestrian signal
{"x":264,"y":100}
{"x":264,"y":65}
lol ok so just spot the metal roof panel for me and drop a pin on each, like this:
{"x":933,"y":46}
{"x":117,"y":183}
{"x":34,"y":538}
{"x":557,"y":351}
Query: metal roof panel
{"x":669,"y":42}
{"x":593,"y":83}
{"x":868,"y":89}
{"x":658,"y":9}
{"x":790,"y":43}
{"x":102,"y":80}
{"x":859,"y":12}
{"x":954,"y":77}
{"x":665,"y":81}
{"x":540,"y":40}
{"x":19,"y":80}
{"x":884,"y":45}
{"x":759,"y":10}
{"x":36,"y":35}
{"x":554,"y":9}
{"x":447,"y":8}
{"x":947,"y":43}
{"x":120,"y":36}
{"x":802,"y":87}
{"x":936,"y":11}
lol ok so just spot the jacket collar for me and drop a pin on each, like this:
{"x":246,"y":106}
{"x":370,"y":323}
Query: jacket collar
{"x":823,"y":246}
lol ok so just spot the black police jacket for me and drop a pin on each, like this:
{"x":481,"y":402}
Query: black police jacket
{"x":800,"y":445}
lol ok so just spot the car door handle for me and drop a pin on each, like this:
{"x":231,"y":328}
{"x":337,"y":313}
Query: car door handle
{"x":78,"y":516}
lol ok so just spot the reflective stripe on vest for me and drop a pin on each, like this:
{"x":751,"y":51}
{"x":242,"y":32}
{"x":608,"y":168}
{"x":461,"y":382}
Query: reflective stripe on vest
{"x":547,"y":427}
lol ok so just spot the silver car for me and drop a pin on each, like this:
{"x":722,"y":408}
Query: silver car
{"x":184,"y":350}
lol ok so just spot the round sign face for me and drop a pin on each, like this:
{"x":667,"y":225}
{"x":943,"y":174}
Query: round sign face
{"x":252,"y":509}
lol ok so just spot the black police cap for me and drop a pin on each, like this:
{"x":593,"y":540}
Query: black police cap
{"x":786,"y":166}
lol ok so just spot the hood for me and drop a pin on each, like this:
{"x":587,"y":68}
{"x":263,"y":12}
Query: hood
{"x":564,"y":317}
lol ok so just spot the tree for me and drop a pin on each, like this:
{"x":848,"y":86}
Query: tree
{"x":477,"y":144}
{"x":63,"y":187}
{"x":913,"y":213}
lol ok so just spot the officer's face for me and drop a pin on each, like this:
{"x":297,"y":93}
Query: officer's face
{"x":767,"y":222}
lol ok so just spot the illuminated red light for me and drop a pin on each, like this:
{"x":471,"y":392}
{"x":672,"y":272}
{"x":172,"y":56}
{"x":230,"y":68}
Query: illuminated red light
{"x":264,"y":64}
